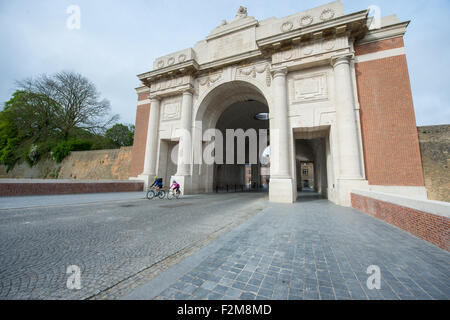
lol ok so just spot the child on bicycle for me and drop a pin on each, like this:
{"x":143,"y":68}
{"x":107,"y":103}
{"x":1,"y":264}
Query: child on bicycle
{"x":175,"y":186}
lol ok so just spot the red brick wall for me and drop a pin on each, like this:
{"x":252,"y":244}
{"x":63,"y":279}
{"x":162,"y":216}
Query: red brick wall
{"x":388,"y":124}
{"x":427,"y":226}
{"x":379,"y":46}
{"x":143,"y":96}
{"x":35,"y":188}
{"x":140,"y":139}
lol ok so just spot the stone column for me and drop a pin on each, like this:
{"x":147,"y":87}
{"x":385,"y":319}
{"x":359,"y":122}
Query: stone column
{"x":280,"y":132}
{"x":185,"y":144}
{"x":346,"y":122}
{"x":280,"y":185}
{"x":151,"y":147}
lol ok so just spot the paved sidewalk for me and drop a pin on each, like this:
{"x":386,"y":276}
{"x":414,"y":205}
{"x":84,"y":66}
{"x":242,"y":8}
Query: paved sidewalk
{"x":309,"y":250}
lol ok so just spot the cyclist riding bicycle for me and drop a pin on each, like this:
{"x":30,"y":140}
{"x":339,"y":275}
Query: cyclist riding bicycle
{"x":175,"y":186}
{"x":158,"y":183}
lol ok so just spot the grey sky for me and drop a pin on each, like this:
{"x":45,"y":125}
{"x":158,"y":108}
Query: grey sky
{"x":119,"y":39}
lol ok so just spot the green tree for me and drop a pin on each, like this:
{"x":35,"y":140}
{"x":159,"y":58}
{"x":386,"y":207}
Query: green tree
{"x":58,"y":114}
{"x":121,"y":135}
{"x":26,"y":128}
{"x":63,"y":149}
{"x":31,"y":114}
{"x":78,"y":100}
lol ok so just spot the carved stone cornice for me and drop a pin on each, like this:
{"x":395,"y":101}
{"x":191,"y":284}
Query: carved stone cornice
{"x":142,"y":89}
{"x":321,"y":49}
{"x":172,"y":86}
{"x":352,"y":24}
{"x":391,"y":31}
{"x":186,"y":68}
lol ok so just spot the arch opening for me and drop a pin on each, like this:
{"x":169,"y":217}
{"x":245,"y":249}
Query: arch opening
{"x":313,"y":167}
{"x":246,"y":174}
{"x":231,"y":110}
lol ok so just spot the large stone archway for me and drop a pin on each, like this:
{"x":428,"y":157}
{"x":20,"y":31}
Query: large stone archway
{"x":304,"y":69}
{"x":229,"y":105}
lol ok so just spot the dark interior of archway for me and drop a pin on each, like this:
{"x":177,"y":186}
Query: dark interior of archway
{"x":311,"y":169}
{"x":231,"y":177}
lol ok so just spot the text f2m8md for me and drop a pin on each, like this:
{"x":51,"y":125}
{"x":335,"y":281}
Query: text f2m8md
{"x":247,"y":309}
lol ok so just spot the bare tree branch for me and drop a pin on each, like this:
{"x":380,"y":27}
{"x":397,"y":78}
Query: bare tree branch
{"x":78,"y":98}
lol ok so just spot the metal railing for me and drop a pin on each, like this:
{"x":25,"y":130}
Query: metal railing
{"x":239,"y":188}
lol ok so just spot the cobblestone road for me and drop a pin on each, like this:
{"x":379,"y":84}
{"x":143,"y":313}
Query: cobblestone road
{"x":110,"y":241}
{"x":308,"y":250}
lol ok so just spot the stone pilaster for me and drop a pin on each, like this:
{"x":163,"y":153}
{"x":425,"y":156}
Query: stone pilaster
{"x":185,"y":144}
{"x":350,"y":165}
{"x":151,"y":148}
{"x":281,"y":186}
{"x":346,"y":122}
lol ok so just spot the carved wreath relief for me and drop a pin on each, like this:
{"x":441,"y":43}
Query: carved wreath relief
{"x":171,"y":61}
{"x":287,"y":26}
{"x":327,"y":14}
{"x":306,"y":20}
{"x":209,"y":80}
{"x":253,"y":70}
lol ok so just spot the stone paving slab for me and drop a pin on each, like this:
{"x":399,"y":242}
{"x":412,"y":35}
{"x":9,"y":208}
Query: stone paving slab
{"x":113,"y":242}
{"x":308,"y":250}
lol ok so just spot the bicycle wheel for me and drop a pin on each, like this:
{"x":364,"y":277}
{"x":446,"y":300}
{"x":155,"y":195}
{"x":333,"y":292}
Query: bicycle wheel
{"x":150,"y":194}
{"x":161,"y":194}
{"x":170,"y":195}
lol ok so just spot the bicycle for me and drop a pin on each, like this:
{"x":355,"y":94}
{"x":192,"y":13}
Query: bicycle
{"x":153,"y":193}
{"x":173,"y":194}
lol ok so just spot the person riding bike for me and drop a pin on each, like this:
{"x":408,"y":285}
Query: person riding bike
{"x":175,"y":186}
{"x":158,"y":183}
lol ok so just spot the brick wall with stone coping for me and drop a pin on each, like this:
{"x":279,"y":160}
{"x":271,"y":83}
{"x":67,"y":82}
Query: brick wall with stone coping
{"x":425,"y":219}
{"x":22,"y":187}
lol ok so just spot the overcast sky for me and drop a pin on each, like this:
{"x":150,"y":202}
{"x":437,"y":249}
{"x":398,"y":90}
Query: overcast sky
{"x":120,"y":39}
